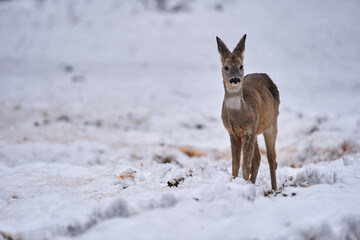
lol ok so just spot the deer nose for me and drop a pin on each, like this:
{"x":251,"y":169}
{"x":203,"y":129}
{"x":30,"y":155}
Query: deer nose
{"x":235,"y":81}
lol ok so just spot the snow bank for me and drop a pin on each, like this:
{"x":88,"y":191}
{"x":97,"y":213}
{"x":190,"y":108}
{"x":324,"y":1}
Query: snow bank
{"x":44,"y":200}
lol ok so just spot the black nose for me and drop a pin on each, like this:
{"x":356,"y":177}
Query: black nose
{"x":234,"y":80}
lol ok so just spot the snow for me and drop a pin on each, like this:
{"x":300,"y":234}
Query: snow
{"x":110,"y":120}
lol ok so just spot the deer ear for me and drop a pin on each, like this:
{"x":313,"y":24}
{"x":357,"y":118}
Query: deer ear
{"x":240,"y":48}
{"x":223,"y":50}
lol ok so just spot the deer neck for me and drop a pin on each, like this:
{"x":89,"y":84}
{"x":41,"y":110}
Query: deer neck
{"x":234,"y":98}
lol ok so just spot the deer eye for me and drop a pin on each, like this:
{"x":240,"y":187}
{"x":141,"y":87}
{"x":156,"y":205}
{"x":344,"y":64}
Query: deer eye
{"x":241,"y":67}
{"x":226,"y":68}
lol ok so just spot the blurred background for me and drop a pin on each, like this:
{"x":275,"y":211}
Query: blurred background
{"x":91,"y":82}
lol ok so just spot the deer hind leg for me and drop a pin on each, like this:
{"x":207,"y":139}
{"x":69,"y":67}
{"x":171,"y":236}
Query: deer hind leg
{"x":248,"y":155}
{"x":235,"y":152}
{"x":255,"y":163}
{"x":270,"y":138}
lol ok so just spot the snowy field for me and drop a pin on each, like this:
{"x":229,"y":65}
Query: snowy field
{"x":110,"y":120}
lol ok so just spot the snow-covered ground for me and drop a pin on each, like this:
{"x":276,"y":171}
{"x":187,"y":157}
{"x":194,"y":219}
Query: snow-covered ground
{"x":110,"y":120}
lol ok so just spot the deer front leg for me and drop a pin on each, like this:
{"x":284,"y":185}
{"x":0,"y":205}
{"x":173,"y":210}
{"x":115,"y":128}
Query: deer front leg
{"x":248,"y":155}
{"x":255,"y":163}
{"x":235,"y":152}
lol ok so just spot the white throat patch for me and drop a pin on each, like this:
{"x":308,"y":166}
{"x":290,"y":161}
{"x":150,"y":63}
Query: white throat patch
{"x":233,"y":90}
{"x":233,"y":102}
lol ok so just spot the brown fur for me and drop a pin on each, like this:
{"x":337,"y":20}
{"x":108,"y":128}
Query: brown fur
{"x":250,"y":108}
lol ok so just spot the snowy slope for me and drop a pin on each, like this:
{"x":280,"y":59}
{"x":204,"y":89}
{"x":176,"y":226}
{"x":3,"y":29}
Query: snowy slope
{"x":104,"y":104}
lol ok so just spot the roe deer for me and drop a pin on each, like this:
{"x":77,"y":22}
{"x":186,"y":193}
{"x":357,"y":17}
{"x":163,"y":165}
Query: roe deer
{"x":250,"y":107}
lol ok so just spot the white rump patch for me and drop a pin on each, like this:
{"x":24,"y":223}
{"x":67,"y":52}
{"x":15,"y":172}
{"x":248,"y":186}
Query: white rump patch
{"x":233,"y":102}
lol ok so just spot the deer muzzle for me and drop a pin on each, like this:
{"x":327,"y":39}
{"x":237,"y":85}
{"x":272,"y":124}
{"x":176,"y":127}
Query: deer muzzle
{"x":235,"y":81}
